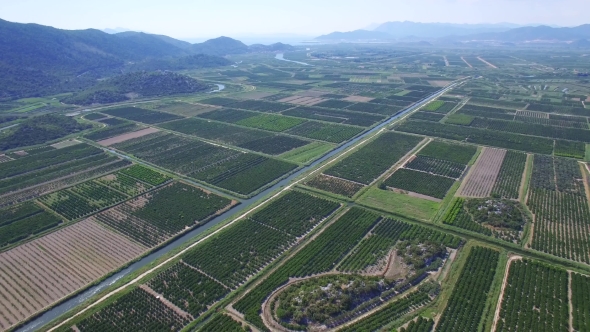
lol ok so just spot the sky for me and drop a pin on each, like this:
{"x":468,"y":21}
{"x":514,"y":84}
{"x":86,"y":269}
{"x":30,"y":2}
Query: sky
{"x":198,"y":19}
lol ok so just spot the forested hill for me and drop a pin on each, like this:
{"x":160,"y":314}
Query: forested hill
{"x":38,"y":60}
{"x":139,"y":84}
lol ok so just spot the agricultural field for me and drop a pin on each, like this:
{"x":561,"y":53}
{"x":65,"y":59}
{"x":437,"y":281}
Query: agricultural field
{"x":336,"y":116}
{"x":335,"y":185}
{"x":412,"y":227}
{"x":535,"y":298}
{"x":382,"y":153}
{"x":510,"y":175}
{"x":35,"y":174}
{"x":483,"y":175}
{"x":333,"y":133}
{"x":466,"y":304}
{"x":420,"y":182}
{"x":240,"y":172}
{"x":558,"y":200}
{"x":160,"y":215}
{"x":482,"y":136}
{"x":141,"y":115}
{"x":33,"y":277}
{"x":19,"y":222}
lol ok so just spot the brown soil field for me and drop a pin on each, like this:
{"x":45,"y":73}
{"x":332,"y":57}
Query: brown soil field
{"x":128,"y":136}
{"x":4,"y":158}
{"x":302,"y":100}
{"x":359,"y":99}
{"x":483,"y":176}
{"x":65,"y":144}
{"x":413,"y":194}
{"x":38,"y":274}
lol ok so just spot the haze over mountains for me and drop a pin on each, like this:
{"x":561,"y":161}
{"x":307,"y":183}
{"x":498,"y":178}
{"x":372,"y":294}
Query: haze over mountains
{"x":445,"y":32}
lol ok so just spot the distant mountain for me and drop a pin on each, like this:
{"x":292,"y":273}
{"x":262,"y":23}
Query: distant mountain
{"x":438,"y":30}
{"x":115,"y":30}
{"x":276,"y":47}
{"x":220,"y":46}
{"x":38,"y":60}
{"x":355,"y":35}
{"x":174,"y":42}
{"x":582,"y":43}
{"x":545,"y":33}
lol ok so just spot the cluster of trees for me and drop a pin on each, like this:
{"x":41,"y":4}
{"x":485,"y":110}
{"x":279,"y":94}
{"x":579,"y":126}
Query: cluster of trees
{"x":40,"y":129}
{"x":141,"y":83}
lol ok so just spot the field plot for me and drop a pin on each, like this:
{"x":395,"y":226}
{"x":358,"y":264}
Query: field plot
{"x":302,"y":100}
{"x":128,"y":136}
{"x":535,"y":298}
{"x":35,"y":275}
{"x":142,"y":311}
{"x":580,"y":300}
{"x":436,"y":166}
{"x":570,"y":149}
{"x":94,"y":116}
{"x":159,"y":215}
{"x":215,"y":131}
{"x":455,"y":153}
{"x":261,"y":106}
{"x":108,"y":132}
{"x":510,"y":175}
{"x":224,"y":323}
{"x":145,"y":175}
{"x":244,"y":256}
{"x":81,"y":200}
{"x":333,"y":103}
{"x":379,"y":244}
{"x":141,"y":115}
{"x":466,"y":305}
{"x":226,"y":168}
{"x":482,"y":177}
{"x":375,"y":108}
{"x":21,"y":221}
{"x":337,"y":116}
{"x":373,"y":159}
{"x":427,"y":116}
{"x":227,"y":115}
{"x":335,"y":185}
{"x":318,"y":256}
{"x":113,"y":122}
{"x":558,"y":200}
{"x":36,"y":174}
{"x":439,"y":106}
{"x":333,"y":133}
{"x":419,"y":182}
{"x":270,"y":122}
{"x":179,"y":108}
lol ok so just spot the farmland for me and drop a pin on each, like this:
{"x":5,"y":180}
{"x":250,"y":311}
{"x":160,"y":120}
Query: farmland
{"x":141,"y":115}
{"x":482,"y":177}
{"x":225,"y":168}
{"x":33,"y":278}
{"x":468,"y":300}
{"x":419,"y":182}
{"x":535,"y":298}
{"x":408,"y":227}
{"x":335,"y":185}
{"x":355,"y":168}
{"x":558,"y":200}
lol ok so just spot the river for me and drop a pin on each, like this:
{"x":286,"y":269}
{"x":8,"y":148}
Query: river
{"x":66,"y":306}
{"x":281,"y":56}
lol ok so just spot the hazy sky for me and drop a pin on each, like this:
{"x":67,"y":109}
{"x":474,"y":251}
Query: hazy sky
{"x":211,"y":18}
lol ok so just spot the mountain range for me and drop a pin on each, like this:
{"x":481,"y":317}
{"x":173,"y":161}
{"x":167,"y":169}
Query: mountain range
{"x":447,"y":32}
{"x":40,"y":60}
